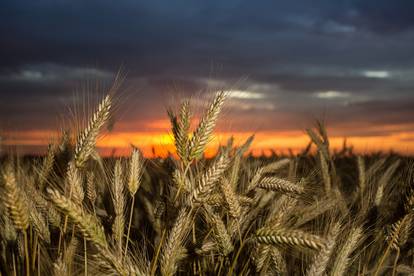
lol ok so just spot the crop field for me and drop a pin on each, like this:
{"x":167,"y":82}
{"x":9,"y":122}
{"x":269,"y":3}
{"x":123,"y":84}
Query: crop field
{"x":318,"y":212}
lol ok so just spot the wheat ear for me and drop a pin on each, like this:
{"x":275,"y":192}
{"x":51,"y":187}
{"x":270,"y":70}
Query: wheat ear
{"x":63,"y":265}
{"x":134,"y":181}
{"x":18,"y":209}
{"x":176,"y":237}
{"x":86,"y":141}
{"x":74,"y":180}
{"x":231,"y":198}
{"x":298,"y":238}
{"x":17,"y":206}
{"x":223,"y":237}
{"x":89,"y":226}
{"x":119,"y":206}
{"x":202,"y":134}
{"x":384,"y":180}
{"x":43,"y":205}
{"x":309,"y":213}
{"x":361,"y":174}
{"x":321,"y":260}
{"x":36,"y":219}
{"x":280,"y":185}
{"x":269,"y":168}
{"x":47,"y":166}
{"x":181,"y":131}
{"x":91,"y":188}
{"x":135,"y":172}
{"x":210,"y":177}
{"x":342,"y":260}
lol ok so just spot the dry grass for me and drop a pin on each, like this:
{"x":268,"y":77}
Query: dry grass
{"x":329,"y":213}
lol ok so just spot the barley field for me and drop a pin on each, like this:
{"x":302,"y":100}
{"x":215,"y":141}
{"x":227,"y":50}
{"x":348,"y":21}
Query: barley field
{"x":319,"y":212}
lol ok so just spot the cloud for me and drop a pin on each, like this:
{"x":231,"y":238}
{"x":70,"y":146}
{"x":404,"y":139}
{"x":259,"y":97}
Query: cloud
{"x":376,"y":74}
{"x":50,"y":72}
{"x":240,"y":94}
{"x":287,"y":61}
{"x":332,"y":95}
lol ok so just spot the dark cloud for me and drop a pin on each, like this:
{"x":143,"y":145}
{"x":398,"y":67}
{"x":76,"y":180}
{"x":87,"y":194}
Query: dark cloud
{"x":384,"y":16}
{"x":351,"y":59}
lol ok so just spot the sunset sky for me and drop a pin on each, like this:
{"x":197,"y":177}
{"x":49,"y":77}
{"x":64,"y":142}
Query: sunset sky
{"x":286,"y":63}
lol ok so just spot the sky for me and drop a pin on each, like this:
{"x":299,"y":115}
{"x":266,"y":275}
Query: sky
{"x":286,"y":63}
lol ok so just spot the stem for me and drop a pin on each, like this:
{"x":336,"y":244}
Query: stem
{"x":26,"y":250}
{"x":14,"y":265}
{"x":389,"y":247}
{"x":62,"y":232}
{"x":242,"y":244}
{"x":86,"y":257}
{"x":38,"y":261}
{"x":184,"y":175}
{"x":154,"y":264}
{"x":129,"y":225}
{"x":383,"y":259}
{"x":395,"y":262}
{"x":34,"y":250}
{"x":71,"y":240}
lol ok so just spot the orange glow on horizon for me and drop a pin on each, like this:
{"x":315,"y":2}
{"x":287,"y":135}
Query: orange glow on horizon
{"x":161,"y":143}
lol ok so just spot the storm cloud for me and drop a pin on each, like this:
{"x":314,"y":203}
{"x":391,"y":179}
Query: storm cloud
{"x":349,"y":61}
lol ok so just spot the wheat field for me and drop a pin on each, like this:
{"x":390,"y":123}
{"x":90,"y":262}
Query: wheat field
{"x":319,"y":212}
